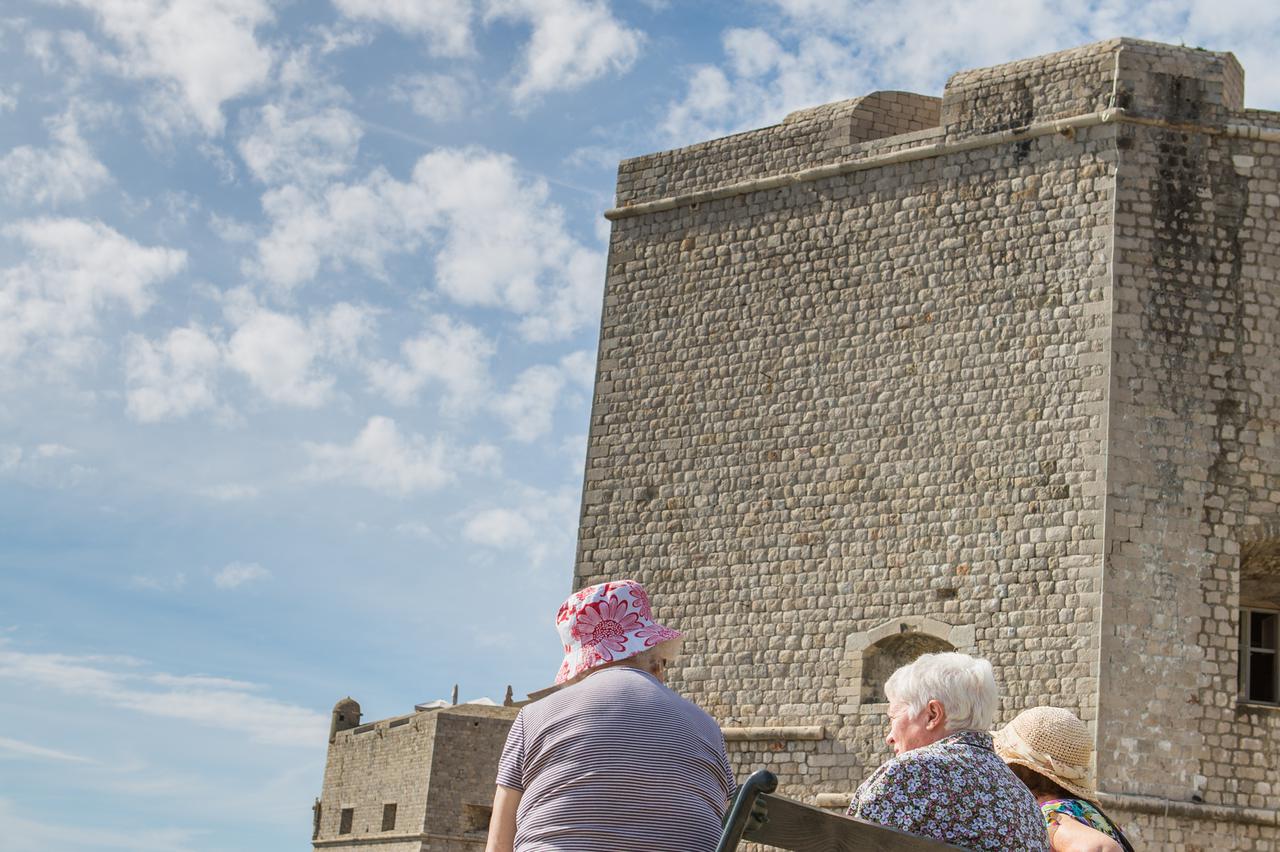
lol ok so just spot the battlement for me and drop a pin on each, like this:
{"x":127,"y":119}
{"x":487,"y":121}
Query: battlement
{"x":1145,"y":79}
{"x":1139,"y":79}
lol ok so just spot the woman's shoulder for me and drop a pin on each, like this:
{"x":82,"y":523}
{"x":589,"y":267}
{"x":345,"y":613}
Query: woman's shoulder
{"x":1083,"y":811}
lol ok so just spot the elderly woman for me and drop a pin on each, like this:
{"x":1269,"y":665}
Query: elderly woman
{"x":615,"y":760}
{"x":946,"y":781}
{"x":1050,"y":750}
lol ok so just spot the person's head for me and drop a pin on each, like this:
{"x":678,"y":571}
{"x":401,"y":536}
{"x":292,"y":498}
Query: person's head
{"x":654,"y":660}
{"x":612,"y":624}
{"x":937,"y":695}
{"x":1051,"y":750}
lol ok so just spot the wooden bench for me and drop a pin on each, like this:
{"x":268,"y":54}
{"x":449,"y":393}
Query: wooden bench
{"x":799,"y":827}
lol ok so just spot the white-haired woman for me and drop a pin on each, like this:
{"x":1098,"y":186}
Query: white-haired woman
{"x":946,"y":781}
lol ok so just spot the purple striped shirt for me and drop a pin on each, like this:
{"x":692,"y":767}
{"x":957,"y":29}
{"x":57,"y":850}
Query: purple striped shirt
{"x":616,"y":761}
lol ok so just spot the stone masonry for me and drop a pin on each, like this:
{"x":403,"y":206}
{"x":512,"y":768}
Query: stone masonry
{"x":416,"y":783}
{"x":996,"y":372}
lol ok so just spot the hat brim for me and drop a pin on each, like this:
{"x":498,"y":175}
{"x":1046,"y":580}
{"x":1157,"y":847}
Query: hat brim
{"x":1012,"y":757}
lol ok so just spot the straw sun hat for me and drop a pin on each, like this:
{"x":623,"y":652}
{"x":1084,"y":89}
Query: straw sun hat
{"x":1053,"y":742}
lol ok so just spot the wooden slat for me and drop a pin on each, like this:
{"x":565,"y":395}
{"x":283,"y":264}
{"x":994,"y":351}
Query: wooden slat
{"x":799,"y":827}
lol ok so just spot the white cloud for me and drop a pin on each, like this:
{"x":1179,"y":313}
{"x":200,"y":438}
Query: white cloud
{"x":296,"y":143}
{"x":25,"y":749}
{"x":230,"y":230}
{"x":573,"y":42}
{"x":580,"y":368}
{"x":819,"y":51}
{"x":484,"y":458}
{"x":528,"y":406}
{"x":762,"y":83}
{"x":173,"y":377}
{"x":348,"y":224}
{"x":229,"y":492}
{"x":384,"y":459}
{"x":24,"y":834}
{"x":280,"y":354}
{"x":45,"y":464}
{"x":171,"y":583}
{"x":284,"y":357}
{"x":277,"y":354}
{"x":236,"y":574}
{"x":439,"y":97}
{"x":342,"y":329}
{"x":595,"y":157}
{"x":65,"y":172}
{"x":445,"y":25}
{"x":201,"y":700}
{"x":496,"y":238}
{"x":536,"y":524}
{"x":499,"y":528}
{"x":74,"y":271}
{"x":574,"y":448}
{"x":8,"y":98}
{"x":451,"y":353}
{"x":203,"y":52}
{"x":416,"y":529}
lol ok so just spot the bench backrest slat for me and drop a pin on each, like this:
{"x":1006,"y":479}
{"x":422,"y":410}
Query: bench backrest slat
{"x":802,"y":828}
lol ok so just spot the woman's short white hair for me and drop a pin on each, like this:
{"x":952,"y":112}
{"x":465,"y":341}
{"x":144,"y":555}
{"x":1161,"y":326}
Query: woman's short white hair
{"x":964,"y":685}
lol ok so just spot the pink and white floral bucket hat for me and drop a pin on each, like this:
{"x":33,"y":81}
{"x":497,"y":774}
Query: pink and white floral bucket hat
{"x":605,"y":623}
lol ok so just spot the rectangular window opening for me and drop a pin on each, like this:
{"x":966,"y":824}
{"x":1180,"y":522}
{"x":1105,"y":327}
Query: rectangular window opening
{"x":345,"y":820}
{"x":388,"y":817}
{"x":1260,"y":656}
{"x":476,"y":817}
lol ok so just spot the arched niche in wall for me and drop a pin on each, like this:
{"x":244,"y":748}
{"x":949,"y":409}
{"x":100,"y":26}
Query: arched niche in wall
{"x":872,"y":655}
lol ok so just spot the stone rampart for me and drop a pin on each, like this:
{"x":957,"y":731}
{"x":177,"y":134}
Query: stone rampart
{"x":1013,"y":374}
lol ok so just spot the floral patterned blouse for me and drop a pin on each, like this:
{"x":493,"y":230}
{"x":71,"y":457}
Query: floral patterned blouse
{"x":956,"y":790}
{"x":1083,"y":811}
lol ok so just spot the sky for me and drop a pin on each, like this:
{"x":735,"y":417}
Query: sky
{"x":298,"y":312}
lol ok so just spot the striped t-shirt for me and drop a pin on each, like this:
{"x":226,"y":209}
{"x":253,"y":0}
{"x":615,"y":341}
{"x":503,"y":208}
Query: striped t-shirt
{"x":619,"y":762}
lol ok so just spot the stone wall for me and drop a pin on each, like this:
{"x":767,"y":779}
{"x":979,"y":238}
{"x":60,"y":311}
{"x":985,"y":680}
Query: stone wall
{"x":828,"y":405}
{"x":436,"y":766}
{"x":374,"y":765}
{"x":469,"y":742}
{"x":1194,"y":463}
{"x":804,"y":139}
{"x":1009,"y":382}
{"x":1154,"y":828}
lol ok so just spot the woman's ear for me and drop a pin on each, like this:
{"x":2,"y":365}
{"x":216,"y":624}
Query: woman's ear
{"x":936,"y":715}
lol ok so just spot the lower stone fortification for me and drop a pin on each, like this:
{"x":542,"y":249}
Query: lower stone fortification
{"x":1185,"y":829}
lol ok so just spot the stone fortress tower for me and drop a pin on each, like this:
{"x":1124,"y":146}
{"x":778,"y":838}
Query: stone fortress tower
{"x":411,"y":783}
{"x":996,"y":372}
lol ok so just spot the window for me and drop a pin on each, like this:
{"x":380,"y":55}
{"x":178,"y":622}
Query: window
{"x":1259,"y":650}
{"x":388,"y":817}
{"x":344,"y":821}
{"x":476,"y":817}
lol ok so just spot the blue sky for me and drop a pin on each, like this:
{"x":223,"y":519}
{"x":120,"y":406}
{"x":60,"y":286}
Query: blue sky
{"x":298,"y":310}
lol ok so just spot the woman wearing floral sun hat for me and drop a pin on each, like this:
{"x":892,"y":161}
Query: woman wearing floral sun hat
{"x":1049,"y":748}
{"x":614,"y":760}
